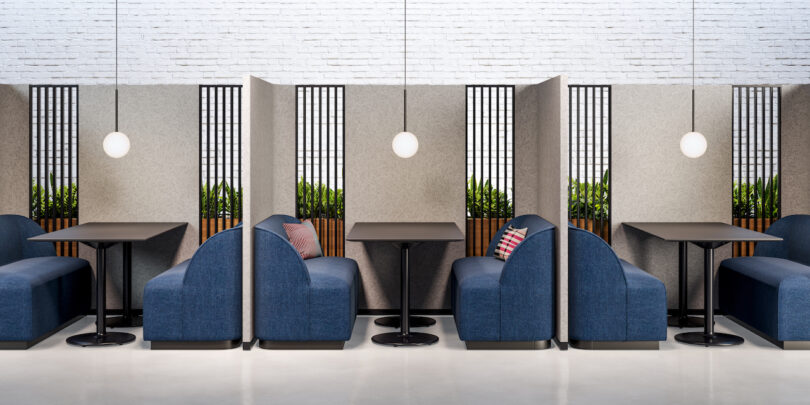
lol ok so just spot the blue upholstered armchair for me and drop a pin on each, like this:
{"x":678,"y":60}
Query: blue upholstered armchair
{"x":611,"y":303}
{"x":300,"y":304}
{"x":40,"y":293}
{"x":509,"y":304}
{"x":198,"y":303}
{"x":770,"y":291}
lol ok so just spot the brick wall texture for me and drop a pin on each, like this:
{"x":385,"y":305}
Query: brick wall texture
{"x":449,"y":42}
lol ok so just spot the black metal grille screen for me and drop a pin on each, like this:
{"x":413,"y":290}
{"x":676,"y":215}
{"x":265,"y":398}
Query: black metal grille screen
{"x":589,"y":109}
{"x":54,"y":159}
{"x":220,"y":158}
{"x":490,"y":163}
{"x":319,"y":163}
{"x":756,"y":160}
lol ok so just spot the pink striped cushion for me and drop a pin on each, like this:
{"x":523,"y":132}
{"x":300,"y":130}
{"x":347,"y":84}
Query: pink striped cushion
{"x":304,"y":239}
{"x":509,"y":241}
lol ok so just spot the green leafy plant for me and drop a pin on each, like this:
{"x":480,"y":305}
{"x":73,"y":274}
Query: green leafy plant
{"x":592,"y":198}
{"x":318,"y":200}
{"x":486,"y":201}
{"x":220,"y":201}
{"x":61,"y":202}
{"x":759,"y":199}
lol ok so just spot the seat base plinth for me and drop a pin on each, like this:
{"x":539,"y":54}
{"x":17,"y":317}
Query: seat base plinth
{"x":195,"y":345}
{"x":615,"y":345}
{"x":303,"y":345}
{"x":508,"y":345}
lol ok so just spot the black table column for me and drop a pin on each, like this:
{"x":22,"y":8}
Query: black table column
{"x":101,"y":337}
{"x":683,"y":320}
{"x":413,"y":321}
{"x":708,"y":337}
{"x":128,"y":319}
{"x":405,"y":337}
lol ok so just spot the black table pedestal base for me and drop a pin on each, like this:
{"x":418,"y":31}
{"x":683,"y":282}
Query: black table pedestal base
{"x":124,"y":322}
{"x":395,"y":322}
{"x":411,"y":339}
{"x":685,"y":322}
{"x":702,"y":339}
{"x":107,"y":339}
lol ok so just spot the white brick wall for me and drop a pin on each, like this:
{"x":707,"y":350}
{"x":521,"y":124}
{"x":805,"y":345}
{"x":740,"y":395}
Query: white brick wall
{"x":359,"y":41}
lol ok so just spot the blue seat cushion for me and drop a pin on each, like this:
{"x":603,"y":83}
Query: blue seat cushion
{"x":39,"y":294}
{"x":475,"y":297}
{"x":771,"y":294}
{"x":333,"y":297}
{"x":163,"y":305}
{"x":646,"y":305}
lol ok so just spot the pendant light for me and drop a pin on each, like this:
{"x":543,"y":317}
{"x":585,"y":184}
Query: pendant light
{"x":405,"y":144}
{"x":693,"y":143}
{"x":116,"y":144}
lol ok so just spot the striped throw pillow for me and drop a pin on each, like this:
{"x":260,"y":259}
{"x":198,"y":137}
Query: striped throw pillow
{"x":509,"y":241}
{"x":304,"y":238}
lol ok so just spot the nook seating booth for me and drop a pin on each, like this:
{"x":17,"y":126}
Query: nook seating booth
{"x":508,"y":304}
{"x":612,"y":304}
{"x":40,"y":293}
{"x":197,"y":304}
{"x":300,"y":304}
{"x":769,"y":292}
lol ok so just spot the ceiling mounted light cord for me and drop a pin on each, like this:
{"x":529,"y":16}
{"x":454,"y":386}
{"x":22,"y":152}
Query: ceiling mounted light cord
{"x":116,"y":65}
{"x":405,"y":144}
{"x":693,"y":65}
{"x":693,"y":144}
{"x":116,"y":144}
{"x":405,"y":66}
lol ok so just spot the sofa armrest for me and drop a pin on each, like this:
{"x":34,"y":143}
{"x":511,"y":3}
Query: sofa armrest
{"x":646,"y":304}
{"x":281,"y":286}
{"x":527,"y":289}
{"x":163,"y":305}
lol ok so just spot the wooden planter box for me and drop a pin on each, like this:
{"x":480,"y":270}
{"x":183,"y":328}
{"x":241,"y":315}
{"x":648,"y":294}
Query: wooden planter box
{"x":210,"y":226}
{"x":599,"y":227}
{"x":330,"y":234}
{"x":55,"y":224}
{"x":477,"y":238}
{"x":754,"y":224}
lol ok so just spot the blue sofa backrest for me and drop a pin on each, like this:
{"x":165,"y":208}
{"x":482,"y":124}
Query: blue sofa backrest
{"x":591,"y":261}
{"x":218,"y":261}
{"x":273,"y":254}
{"x":14,"y":244}
{"x":795,"y":246}
{"x":533,"y":222}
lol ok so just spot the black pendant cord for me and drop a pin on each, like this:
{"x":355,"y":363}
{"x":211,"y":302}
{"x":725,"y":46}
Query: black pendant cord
{"x":116,"y":65}
{"x":693,"y":65}
{"x":405,"y":68}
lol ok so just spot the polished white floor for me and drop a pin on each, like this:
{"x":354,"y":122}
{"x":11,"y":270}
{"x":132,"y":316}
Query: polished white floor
{"x":364,"y":373}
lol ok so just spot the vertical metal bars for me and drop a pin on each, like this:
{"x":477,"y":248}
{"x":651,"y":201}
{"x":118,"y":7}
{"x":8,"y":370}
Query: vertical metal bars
{"x":589,"y":134}
{"x":220,"y":158}
{"x":319,"y":162}
{"x":490,"y":163}
{"x":756,"y":159}
{"x":53,"y":159}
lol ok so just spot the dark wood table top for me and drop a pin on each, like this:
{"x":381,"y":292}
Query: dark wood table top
{"x":110,"y":232}
{"x":405,"y":232}
{"x":700,"y":232}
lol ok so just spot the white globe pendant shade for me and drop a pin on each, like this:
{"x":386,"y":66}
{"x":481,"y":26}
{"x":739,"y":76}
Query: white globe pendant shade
{"x":693,"y":145}
{"x":116,"y":144}
{"x":405,"y":144}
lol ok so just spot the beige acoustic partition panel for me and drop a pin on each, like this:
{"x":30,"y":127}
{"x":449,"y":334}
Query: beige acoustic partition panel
{"x":156,"y":181}
{"x":541,"y":159}
{"x":795,"y":150}
{"x":268,"y":158}
{"x":381,"y":187}
{"x":14,"y":153}
{"x":652,"y":180}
